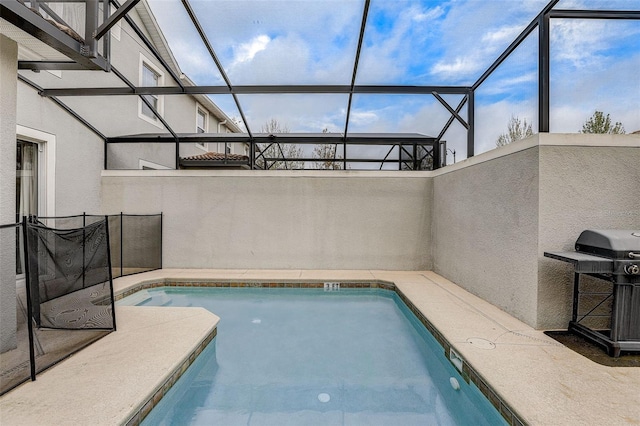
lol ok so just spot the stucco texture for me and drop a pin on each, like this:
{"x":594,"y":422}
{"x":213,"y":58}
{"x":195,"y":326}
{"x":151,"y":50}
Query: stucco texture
{"x":485,"y":226}
{"x":330,"y":220}
{"x":8,"y":82}
{"x":483,"y":223}
{"x":580,"y":188}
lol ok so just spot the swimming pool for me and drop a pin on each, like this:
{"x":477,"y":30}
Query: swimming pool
{"x":307,"y":356}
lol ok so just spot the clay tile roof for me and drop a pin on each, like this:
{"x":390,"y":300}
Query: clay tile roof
{"x":216,"y":156}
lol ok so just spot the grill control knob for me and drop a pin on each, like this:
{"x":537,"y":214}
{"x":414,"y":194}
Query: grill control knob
{"x":632,"y":269}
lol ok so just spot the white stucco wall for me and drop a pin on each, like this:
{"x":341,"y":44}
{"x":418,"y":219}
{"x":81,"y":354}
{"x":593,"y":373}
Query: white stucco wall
{"x":119,"y":115}
{"x":8,"y":100}
{"x":496,"y":214}
{"x":282,"y":219}
{"x":586,"y":182}
{"x":485,"y":224}
{"x":78,"y":153}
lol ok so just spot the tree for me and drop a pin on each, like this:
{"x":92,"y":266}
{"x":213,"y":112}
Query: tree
{"x":598,"y":123}
{"x":325,"y":155}
{"x":272,"y":155}
{"x":516,"y":130}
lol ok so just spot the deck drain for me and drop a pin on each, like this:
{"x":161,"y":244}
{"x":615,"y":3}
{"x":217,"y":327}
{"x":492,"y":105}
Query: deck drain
{"x":481,"y":343}
{"x":324,"y":397}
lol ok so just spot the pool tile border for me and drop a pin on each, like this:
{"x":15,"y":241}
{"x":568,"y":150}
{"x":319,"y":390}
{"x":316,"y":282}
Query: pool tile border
{"x":469,"y":374}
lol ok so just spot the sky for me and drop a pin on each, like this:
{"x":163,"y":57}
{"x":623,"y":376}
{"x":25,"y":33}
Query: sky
{"x":594,"y":63}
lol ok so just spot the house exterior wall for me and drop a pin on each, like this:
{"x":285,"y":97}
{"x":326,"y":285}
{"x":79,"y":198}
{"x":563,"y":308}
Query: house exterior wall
{"x":78,"y":153}
{"x":8,"y":101}
{"x":119,"y":115}
{"x":282,"y":219}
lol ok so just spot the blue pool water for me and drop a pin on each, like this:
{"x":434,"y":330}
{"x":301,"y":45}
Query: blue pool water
{"x":287,"y":356}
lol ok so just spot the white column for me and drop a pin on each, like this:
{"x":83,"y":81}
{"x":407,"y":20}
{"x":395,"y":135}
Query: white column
{"x":8,"y":111}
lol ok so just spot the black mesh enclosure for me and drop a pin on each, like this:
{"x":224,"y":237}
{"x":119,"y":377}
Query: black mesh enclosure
{"x":69,"y":263}
{"x":141,"y":243}
{"x":136,"y":243}
{"x":70,"y":276}
{"x":14,"y":354}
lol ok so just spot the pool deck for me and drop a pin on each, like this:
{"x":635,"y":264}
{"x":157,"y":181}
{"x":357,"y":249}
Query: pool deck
{"x":543,"y":381}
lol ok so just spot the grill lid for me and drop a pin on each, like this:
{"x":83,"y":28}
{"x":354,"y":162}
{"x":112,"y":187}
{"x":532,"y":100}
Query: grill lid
{"x":611,"y":243}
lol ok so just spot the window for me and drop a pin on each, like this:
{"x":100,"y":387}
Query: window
{"x":202,"y":121}
{"x":150,"y":76}
{"x":149,"y":165}
{"x":35,"y":178}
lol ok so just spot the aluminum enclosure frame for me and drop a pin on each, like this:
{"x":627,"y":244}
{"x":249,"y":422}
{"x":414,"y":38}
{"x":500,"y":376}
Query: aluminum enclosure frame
{"x":19,"y":15}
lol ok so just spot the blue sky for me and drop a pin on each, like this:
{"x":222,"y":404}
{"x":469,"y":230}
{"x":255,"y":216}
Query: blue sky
{"x":594,"y":63}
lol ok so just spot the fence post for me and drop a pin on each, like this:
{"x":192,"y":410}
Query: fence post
{"x":121,"y":244}
{"x":27,"y":280}
{"x":161,"y":219}
{"x":113,"y":302}
{"x":84,"y":254}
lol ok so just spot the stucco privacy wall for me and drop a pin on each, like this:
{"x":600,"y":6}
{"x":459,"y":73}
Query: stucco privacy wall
{"x":494,"y":216}
{"x":586,"y":182}
{"x":485,"y":223}
{"x":8,"y":100}
{"x":282,"y":219}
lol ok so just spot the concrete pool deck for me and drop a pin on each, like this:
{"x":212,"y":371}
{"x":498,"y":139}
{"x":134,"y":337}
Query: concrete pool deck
{"x":544,"y":382}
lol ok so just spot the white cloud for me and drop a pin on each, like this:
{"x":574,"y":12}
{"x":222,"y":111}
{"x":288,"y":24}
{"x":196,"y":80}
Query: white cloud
{"x":464,"y":65}
{"x":364,"y":117}
{"x":428,"y":15}
{"x":452,"y":43}
{"x":508,"y":33}
{"x":247,"y":51}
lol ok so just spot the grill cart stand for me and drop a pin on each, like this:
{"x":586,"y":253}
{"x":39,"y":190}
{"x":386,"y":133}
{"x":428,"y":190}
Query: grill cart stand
{"x":613,"y":256}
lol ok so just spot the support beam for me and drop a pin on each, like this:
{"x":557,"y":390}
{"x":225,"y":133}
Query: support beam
{"x":451,"y":118}
{"x":544,"y":73}
{"x":595,"y":14}
{"x":471,"y":118}
{"x":149,"y":45}
{"x":514,"y":45}
{"x":64,"y":107}
{"x":90,"y":48}
{"x":155,"y":113}
{"x":49,"y":65}
{"x":451,"y":110}
{"x":258,"y":90}
{"x":114,"y":18}
{"x":213,"y":55}
{"x":284,"y":138}
{"x":363,"y":26}
{"x":22,"y":17}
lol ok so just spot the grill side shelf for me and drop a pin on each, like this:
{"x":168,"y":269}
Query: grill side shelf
{"x":583,"y":263}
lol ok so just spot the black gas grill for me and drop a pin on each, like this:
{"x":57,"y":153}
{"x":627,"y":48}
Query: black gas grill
{"x":611,"y":255}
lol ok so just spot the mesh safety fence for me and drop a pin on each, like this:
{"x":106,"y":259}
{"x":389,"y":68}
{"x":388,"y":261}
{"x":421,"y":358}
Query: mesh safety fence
{"x":64,"y":297}
{"x":70,"y":296}
{"x":135,"y":241}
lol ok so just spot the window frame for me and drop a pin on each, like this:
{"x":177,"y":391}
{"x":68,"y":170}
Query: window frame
{"x":145,"y":62}
{"x":200,"y":109}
